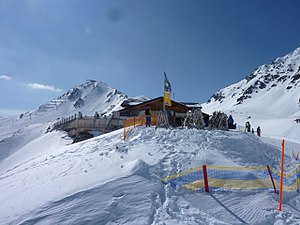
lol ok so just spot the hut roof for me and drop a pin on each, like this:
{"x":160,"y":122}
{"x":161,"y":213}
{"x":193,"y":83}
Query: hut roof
{"x":156,"y":104}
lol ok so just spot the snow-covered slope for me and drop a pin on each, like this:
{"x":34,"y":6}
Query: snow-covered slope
{"x":106,"y":180}
{"x":88,"y":98}
{"x":270,"y":92}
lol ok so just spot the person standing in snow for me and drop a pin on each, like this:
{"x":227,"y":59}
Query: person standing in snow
{"x":248,"y":126}
{"x":80,"y":115}
{"x":148,"y":116}
{"x":96,"y":116}
{"x":230,"y":122}
{"x":258,"y":130}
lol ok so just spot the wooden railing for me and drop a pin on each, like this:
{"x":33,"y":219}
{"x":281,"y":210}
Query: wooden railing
{"x":86,"y":124}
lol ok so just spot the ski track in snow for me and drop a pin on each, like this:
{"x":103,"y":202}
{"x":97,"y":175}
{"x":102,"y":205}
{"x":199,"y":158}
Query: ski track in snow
{"x":102,"y":177}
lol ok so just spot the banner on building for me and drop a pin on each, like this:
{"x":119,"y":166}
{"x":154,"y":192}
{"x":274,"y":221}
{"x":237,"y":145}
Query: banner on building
{"x":167,"y":91}
{"x":167,"y":99}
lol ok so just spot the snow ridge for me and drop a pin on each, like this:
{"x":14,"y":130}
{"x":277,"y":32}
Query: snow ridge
{"x":88,"y":97}
{"x":275,"y":81}
{"x":269,"y":97}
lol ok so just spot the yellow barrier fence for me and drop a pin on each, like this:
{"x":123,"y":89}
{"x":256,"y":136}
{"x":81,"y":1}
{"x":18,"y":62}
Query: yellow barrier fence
{"x":139,"y":121}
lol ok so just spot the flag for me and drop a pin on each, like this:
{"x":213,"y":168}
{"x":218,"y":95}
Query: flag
{"x":167,"y":84}
{"x":167,"y":93}
{"x":167,"y":99}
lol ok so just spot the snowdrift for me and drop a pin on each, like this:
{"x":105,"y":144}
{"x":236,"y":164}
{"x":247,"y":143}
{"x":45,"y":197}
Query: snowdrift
{"x":106,"y":180}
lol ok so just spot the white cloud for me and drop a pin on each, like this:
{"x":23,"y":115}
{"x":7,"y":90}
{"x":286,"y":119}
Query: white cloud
{"x":43,"y":87}
{"x":4,"y":77}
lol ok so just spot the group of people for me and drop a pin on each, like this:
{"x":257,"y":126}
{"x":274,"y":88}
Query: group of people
{"x":230,"y":121}
{"x":248,"y":129}
{"x":232,"y":125}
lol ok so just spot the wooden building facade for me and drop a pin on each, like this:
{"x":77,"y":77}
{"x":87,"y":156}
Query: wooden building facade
{"x":176,"y":112}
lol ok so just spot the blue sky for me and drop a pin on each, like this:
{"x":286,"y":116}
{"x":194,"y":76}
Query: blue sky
{"x":49,"y":46}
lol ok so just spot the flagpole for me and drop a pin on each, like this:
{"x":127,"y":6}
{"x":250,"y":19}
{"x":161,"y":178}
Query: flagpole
{"x":167,"y":92}
{"x":164,"y":107}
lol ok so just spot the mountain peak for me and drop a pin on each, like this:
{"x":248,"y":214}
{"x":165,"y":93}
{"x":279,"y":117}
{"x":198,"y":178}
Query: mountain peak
{"x":88,"y":97}
{"x":267,"y":84}
{"x":296,"y":52}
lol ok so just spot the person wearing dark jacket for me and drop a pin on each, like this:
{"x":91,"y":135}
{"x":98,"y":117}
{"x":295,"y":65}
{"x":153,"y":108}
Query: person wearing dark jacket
{"x":230,"y":122}
{"x":96,"y":116}
{"x":248,"y":126}
{"x":148,"y":116}
{"x":258,"y":131}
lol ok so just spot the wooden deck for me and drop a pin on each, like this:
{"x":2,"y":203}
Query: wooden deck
{"x":77,"y":125}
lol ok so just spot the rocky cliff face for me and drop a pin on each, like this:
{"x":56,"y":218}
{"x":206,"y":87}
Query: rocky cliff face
{"x":271,"y":82}
{"x":88,"y":97}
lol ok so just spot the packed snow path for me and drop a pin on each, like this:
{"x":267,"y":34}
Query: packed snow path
{"x":107,"y":180}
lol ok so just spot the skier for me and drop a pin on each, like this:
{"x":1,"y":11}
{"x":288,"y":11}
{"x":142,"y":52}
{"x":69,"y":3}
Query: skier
{"x":258,"y":130}
{"x":148,"y":116}
{"x":252,"y":131}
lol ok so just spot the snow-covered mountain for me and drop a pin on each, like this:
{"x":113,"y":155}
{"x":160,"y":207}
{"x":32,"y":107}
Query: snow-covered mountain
{"x":88,"y":98}
{"x":270,"y":92}
{"x":44,"y":179}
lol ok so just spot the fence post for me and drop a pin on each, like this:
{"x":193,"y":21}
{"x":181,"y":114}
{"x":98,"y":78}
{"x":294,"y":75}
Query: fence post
{"x":298,"y":180}
{"x":270,"y":173}
{"x":124,"y":134}
{"x":205,"y":178}
{"x":281,"y":176}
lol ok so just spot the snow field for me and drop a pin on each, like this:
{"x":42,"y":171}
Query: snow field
{"x":106,"y":180}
